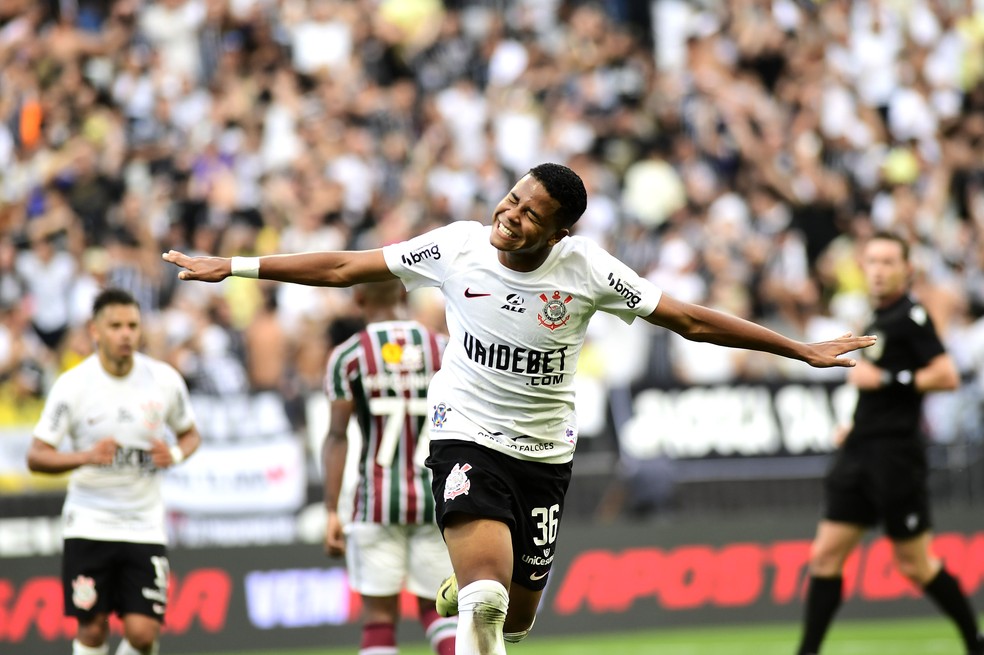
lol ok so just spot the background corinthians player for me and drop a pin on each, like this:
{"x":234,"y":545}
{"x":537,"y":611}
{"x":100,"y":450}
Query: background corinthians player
{"x":115,"y":407}
{"x":519,"y":295}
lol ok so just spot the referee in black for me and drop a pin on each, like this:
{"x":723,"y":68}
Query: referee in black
{"x":880,"y":473}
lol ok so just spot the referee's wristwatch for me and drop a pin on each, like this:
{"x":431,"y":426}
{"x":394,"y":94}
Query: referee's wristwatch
{"x":904,"y":378}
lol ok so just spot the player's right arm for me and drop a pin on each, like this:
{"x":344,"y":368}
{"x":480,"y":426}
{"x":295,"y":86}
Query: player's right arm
{"x":42,"y":457}
{"x":333,"y":455}
{"x":341,"y":268}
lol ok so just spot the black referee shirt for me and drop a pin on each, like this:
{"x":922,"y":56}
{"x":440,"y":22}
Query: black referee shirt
{"x":907,"y":341}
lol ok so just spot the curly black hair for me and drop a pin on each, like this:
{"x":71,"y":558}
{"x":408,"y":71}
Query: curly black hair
{"x":564,"y":186}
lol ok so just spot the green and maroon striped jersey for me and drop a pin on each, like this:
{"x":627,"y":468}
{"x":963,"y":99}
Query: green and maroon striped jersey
{"x":385,"y":370}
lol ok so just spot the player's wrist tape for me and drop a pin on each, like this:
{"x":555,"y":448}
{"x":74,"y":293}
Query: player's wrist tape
{"x":177,"y":454}
{"x":904,"y":378}
{"x":246,"y":267}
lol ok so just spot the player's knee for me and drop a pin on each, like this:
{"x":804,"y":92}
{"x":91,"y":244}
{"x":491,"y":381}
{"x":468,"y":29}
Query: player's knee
{"x":911,"y":569}
{"x":516,"y":637}
{"x":93,"y":632}
{"x":141,"y":641}
{"x":825,"y":560}
{"x":487,"y":600}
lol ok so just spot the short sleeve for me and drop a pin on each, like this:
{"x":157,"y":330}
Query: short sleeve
{"x":56,"y":417}
{"x":619,"y":290}
{"x":923,"y":336}
{"x":424,"y":261}
{"x":181,"y":415}
{"x":337,"y":383}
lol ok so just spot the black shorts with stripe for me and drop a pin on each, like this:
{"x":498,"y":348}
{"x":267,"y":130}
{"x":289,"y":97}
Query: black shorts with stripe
{"x":114,"y":577}
{"x":527,"y":496}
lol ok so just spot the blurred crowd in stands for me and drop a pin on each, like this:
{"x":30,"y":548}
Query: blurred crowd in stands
{"x":734,"y":152}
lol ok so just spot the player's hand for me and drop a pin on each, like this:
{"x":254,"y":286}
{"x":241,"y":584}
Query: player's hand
{"x":840,"y":435}
{"x":204,"y":269}
{"x":334,"y":537}
{"x":103,"y":452}
{"x":865,"y":376}
{"x":828,"y":353}
{"x":160,"y":454}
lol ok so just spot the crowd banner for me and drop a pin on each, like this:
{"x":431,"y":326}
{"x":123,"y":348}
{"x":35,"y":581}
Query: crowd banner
{"x":244,"y":478}
{"x":730,"y":421}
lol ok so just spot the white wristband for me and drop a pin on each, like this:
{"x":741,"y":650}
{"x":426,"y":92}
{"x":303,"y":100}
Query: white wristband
{"x":246,"y":267}
{"x":177,"y":455}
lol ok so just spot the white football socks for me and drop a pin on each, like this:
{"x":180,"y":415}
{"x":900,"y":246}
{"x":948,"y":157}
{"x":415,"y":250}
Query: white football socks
{"x":78,"y":648}
{"x":482,"y":609}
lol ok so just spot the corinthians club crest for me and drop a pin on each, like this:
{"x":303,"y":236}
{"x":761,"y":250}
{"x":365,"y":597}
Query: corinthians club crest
{"x":554,"y":313}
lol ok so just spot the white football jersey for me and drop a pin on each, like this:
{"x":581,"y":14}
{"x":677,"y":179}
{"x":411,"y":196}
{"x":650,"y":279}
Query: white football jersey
{"x":507,"y":379}
{"x":122,"y":501}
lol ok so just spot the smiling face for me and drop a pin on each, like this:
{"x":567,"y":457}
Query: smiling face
{"x":525,"y":225}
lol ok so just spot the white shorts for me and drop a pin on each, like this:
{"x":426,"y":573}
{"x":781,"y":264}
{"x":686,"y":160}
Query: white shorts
{"x":384,"y":559}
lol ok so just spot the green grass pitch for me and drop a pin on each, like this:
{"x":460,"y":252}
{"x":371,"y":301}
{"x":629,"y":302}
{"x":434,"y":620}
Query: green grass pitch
{"x":932,"y":636}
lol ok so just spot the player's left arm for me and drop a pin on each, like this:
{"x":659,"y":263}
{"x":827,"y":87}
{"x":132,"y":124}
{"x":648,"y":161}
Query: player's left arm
{"x":333,"y":454}
{"x":165,"y":456}
{"x":698,"y":323}
{"x":940,"y":374}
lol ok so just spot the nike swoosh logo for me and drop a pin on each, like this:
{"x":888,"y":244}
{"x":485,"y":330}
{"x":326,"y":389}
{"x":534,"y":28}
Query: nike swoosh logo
{"x":469,"y":294}
{"x":538,"y":576}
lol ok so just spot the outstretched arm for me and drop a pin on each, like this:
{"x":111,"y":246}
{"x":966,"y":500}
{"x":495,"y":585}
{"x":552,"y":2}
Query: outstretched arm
{"x":341,"y":268}
{"x":698,"y":323}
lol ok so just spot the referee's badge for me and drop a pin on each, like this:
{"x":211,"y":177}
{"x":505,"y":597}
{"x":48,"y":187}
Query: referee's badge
{"x":457,"y":483}
{"x":84,"y":593}
{"x":875,"y":351}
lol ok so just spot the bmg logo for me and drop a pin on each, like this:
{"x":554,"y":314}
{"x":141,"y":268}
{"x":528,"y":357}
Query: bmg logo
{"x":632,"y":297}
{"x":431,"y":251}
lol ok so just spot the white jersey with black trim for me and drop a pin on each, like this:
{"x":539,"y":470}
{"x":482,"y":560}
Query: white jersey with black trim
{"x":507,"y":380}
{"x":121,"y":501}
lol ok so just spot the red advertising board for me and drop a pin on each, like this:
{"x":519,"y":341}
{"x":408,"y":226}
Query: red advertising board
{"x":694,"y":571}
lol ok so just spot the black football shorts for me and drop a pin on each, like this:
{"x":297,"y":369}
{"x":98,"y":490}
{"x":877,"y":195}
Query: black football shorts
{"x":527,"y":496}
{"x":880,"y":481}
{"x":114,"y":577}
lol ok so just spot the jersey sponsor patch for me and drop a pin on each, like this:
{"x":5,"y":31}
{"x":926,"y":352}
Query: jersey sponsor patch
{"x":631,"y":296}
{"x":457,"y":483}
{"x":514,"y":303}
{"x":84,"y":594}
{"x":430,"y":251}
{"x":399,"y":356}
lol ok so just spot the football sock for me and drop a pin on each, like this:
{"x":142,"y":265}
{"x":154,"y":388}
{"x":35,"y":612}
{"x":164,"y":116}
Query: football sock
{"x":822,"y":600}
{"x":482,"y":609}
{"x":946,"y":593}
{"x":126,"y":648}
{"x":378,"y":639}
{"x":516,"y":637}
{"x":439,"y":631}
{"x":78,"y":648}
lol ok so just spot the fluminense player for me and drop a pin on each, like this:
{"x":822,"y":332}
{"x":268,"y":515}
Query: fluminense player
{"x":391,"y":541}
{"x":519,"y":295}
{"x":116,"y":409}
